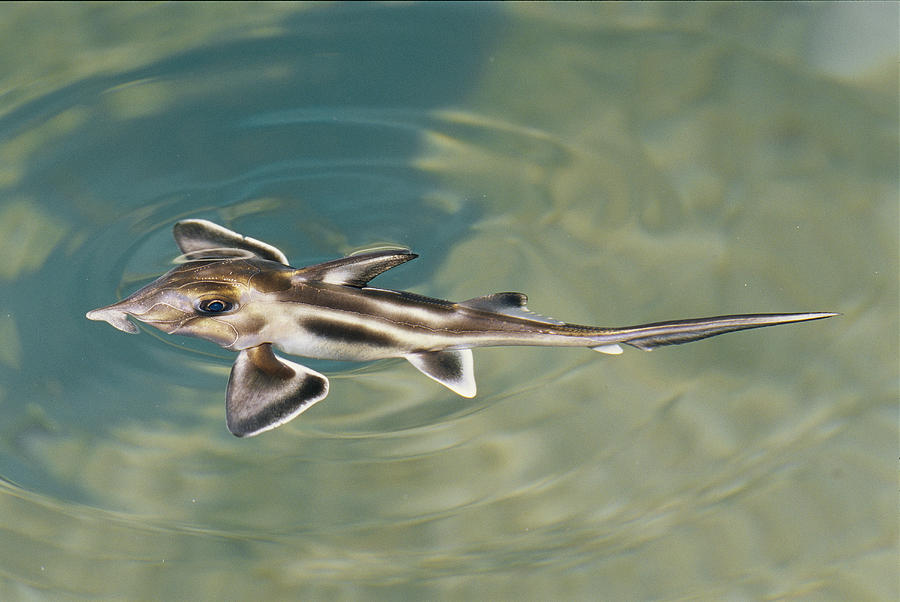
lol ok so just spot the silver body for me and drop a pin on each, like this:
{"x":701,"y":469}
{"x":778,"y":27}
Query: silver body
{"x":329,"y":321}
{"x":241,"y":294}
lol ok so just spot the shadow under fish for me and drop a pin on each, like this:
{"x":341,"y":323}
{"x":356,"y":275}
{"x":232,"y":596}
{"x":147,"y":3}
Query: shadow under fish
{"x":241,"y":294}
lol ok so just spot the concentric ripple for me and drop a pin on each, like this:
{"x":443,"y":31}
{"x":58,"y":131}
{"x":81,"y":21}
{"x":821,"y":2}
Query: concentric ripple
{"x":616,"y":165}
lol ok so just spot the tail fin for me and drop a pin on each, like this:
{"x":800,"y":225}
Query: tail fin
{"x":651,"y":336}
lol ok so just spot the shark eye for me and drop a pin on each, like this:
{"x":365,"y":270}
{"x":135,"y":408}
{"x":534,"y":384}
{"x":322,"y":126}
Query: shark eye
{"x":214,"y":306}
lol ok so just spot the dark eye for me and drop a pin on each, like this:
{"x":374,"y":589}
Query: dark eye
{"x":214,"y":306}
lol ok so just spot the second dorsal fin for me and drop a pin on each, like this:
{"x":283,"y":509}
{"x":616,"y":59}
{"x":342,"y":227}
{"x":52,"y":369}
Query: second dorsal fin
{"x":509,"y":304}
{"x":498,"y":302}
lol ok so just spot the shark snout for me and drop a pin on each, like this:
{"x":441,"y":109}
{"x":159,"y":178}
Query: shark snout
{"x":160,"y":315}
{"x":115,"y":316}
{"x":165,"y":317}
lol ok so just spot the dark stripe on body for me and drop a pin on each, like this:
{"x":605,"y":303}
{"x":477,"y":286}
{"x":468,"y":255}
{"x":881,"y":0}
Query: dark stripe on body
{"x":352,"y":334}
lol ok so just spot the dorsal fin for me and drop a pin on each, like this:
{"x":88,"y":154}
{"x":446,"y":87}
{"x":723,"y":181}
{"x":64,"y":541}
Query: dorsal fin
{"x":509,"y":304}
{"x":356,"y":270}
{"x":498,"y":302}
{"x":193,"y":235}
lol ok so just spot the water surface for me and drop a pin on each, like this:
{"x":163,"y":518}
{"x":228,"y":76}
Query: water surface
{"x":618,"y":163}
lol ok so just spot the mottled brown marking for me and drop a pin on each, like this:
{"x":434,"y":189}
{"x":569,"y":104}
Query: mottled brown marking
{"x":270,"y":281}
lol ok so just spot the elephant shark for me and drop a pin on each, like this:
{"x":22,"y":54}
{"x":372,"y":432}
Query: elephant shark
{"x":242,"y":294}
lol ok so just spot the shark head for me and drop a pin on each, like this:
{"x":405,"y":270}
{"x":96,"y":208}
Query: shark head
{"x":210,"y":299}
{"x":241,"y":294}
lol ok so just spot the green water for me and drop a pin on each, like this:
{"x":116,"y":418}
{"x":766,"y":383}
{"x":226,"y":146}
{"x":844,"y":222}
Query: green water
{"x":619,"y":163}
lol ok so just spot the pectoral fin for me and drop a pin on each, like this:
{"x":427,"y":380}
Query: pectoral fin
{"x":453,"y":369}
{"x":193,"y":235}
{"x":265,"y":391}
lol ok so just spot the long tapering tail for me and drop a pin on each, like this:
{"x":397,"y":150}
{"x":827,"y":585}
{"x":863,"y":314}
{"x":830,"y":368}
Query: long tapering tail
{"x":657,"y":334}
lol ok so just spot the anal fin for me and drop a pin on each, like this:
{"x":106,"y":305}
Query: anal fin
{"x":612,"y":349}
{"x":454,"y":369}
{"x":265,"y":391}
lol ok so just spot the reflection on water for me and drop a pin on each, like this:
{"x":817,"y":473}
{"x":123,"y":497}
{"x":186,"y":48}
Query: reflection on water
{"x":619,"y":164}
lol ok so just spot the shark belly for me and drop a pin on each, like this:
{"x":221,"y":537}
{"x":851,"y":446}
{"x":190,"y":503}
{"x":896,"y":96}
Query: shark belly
{"x":322,"y":338}
{"x":345,"y":335}
{"x":327,"y":322}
